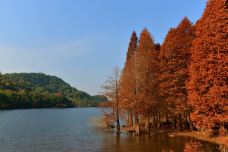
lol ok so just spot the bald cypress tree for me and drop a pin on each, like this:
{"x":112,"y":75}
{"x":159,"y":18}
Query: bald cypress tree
{"x":146,"y":75}
{"x":208,"y":83}
{"x":165,"y":48}
{"x":127,"y":82}
{"x":174,"y":55}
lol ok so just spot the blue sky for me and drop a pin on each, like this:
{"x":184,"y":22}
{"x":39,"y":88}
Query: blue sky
{"x":81,"y":40}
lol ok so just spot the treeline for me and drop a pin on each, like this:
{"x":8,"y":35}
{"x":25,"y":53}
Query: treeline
{"x":37,"y":90}
{"x":182,"y":84}
{"x":24,"y":100}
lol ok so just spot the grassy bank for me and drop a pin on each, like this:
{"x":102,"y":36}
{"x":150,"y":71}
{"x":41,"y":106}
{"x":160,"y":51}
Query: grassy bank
{"x":204,"y":137}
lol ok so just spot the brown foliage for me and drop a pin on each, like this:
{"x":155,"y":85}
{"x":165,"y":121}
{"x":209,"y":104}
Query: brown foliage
{"x":146,"y":74}
{"x":187,"y":75}
{"x":208,"y":83}
{"x":127,"y":81}
{"x":174,"y":58}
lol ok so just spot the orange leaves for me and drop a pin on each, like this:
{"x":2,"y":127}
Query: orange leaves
{"x":138,"y":82}
{"x":127,"y":81}
{"x":187,"y":74}
{"x":207,"y":86}
{"x":146,"y":67}
{"x":174,"y":59}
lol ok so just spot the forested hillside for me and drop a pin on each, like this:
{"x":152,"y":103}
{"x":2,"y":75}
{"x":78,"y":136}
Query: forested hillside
{"x":37,"y":90}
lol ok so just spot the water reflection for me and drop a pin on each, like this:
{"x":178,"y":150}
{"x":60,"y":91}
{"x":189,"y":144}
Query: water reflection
{"x":155,"y":143}
{"x":70,"y":130}
{"x":197,"y":146}
{"x":193,"y":146}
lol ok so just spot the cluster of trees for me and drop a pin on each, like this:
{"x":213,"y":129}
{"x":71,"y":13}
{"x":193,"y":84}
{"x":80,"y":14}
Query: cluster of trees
{"x":23,"y":100}
{"x":37,"y":90}
{"x":183,"y":83}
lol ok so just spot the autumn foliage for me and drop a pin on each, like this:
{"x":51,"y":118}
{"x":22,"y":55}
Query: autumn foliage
{"x":208,"y":82}
{"x":182,"y":84}
{"x":146,"y":67}
{"x":128,"y":80}
{"x":174,"y":58}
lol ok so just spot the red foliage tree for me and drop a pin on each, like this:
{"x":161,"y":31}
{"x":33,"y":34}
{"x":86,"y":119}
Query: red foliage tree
{"x":146,"y":76}
{"x":208,"y":82}
{"x":127,"y":82}
{"x":167,"y":44}
{"x":174,"y":57}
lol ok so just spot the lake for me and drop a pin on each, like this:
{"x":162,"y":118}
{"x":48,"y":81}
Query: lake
{"x":72,"y":130}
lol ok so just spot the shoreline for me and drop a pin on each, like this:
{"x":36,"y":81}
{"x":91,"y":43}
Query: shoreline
{"x":197,"y":135}
{"x":193,"y":134}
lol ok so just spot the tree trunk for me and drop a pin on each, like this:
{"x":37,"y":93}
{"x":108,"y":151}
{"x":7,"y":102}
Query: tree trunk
{"x":155,"y":123}
{"x":159,"y":120}
{"x":147,"y":125}
{"x":117,"y":119}
{"x":175,"y":122}
{"x":136,"y":126}
{"x":186,"y":121}
{"x":131,"y":119}
{"x":180,"y":122}
{"x":190,"y":122}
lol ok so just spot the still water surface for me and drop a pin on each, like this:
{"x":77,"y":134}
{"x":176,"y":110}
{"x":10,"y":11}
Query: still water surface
{"x":71,"y":130}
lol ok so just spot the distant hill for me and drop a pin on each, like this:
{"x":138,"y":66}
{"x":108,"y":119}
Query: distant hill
{"x":37,"y":90}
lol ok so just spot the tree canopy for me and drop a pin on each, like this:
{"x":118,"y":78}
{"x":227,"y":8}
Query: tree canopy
{"x":208,"y":83}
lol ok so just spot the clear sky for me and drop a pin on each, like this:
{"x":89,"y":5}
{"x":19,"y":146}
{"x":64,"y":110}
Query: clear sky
{"x":81,"y":40}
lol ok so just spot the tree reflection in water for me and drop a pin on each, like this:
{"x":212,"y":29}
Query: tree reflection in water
{"x":193,"y":146}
